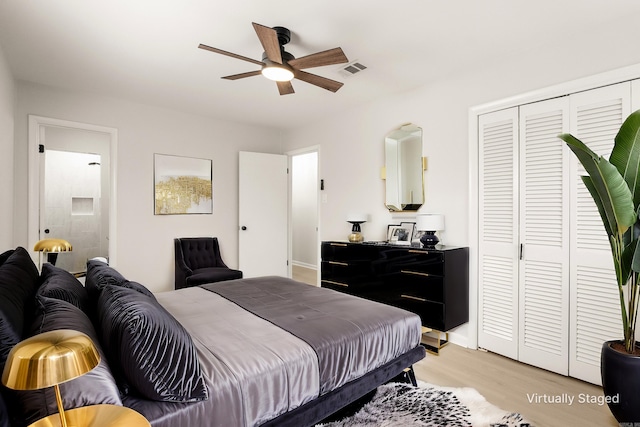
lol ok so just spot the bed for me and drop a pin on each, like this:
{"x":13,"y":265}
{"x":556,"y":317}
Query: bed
{"x":265,"y":351}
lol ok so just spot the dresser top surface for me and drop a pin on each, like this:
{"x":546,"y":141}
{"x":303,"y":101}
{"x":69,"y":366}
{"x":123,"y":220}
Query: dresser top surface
{"x":384,"y":244}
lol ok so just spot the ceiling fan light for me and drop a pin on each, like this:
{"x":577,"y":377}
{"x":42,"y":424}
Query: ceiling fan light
{"x":277,"y":73}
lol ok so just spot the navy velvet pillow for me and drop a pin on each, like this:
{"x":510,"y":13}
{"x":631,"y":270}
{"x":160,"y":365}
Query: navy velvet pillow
{"x":96,"y":387}
{"x":100,"y":274}
{"x":18,"y":282}
{"x":5,"y":255}
{"x":138,"y":287}
{"x":153,"y":350}
{"x":60,"y":284}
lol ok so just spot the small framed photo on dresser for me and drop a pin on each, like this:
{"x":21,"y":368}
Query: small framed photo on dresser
{"x":400,"y":234}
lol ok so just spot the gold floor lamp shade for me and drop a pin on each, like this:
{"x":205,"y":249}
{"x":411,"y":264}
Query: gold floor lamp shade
{"x":51,"y":358}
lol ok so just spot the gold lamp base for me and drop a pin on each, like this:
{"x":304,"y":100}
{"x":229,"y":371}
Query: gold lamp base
{"x":96,"y":416}
{"x":356,"y":237}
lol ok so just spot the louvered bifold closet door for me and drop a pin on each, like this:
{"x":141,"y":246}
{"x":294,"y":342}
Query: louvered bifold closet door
{"x":544,"y":236}
{"x":498,"y":232}
{"x":596,"y":116}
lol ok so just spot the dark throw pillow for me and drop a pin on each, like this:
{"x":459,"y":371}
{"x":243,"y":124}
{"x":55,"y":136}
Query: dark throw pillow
{"x":99,"y":275}
{"x":60,"y":284}
{"x":5,"y":255}
{"x":153,"y":350}
{"x":138,"y":287}
{"x":96,"y":387}
{"x":18,"y":282}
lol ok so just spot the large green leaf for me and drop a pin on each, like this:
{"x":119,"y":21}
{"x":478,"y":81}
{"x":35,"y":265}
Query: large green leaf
{"x":635,"y":265}
{"x":626,"y":154}
{"x":588,"y":182}
{"x":615,"y":200}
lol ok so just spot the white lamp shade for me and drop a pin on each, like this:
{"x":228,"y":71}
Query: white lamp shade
{"x":429,"y":222}
{"x":358,"y":217}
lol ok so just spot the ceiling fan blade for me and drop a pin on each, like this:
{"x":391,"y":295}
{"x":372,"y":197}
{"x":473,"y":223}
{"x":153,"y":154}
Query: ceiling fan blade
{"x":327,"y":57}
{"x":233,"y":55}
{"x":243,"y":75}
{"x":319,"y":81}
{"x":285,"y":88}
{"x":269,"y":40}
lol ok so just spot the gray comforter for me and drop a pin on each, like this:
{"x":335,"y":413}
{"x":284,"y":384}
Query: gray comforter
{"x":268,"y":345}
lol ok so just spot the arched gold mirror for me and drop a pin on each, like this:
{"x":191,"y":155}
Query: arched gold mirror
{"x":404,"y":169}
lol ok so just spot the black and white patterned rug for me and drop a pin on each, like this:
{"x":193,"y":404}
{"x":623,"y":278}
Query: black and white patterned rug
{"x":401,"y":405}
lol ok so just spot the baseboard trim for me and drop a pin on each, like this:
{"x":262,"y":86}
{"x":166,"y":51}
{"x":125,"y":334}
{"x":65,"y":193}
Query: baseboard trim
{"x":304,"y":264}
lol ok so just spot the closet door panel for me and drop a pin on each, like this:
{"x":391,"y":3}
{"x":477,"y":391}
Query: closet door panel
{"x":498,"y":239}
{"x":596,"y":116}
{"x":544,"y":236}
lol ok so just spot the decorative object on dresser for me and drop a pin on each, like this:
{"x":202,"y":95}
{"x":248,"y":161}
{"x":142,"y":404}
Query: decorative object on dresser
{"x":198,"y":261}
{"x":429,"y":224}
{"x":400,"y":234}
{"x":51,"y":358}
{"x":356,"y":232}
{"x":431,"y":282}
{"x":52,"y":247}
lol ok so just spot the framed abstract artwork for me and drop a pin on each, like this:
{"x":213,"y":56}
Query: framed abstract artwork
{"x":183,"y":185}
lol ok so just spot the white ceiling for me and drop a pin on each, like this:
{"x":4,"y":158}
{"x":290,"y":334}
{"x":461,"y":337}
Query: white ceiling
{"x":146,"y":51}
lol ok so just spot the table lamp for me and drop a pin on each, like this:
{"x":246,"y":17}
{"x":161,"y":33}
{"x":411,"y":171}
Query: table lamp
{"x":356,"y":232}
{"x":52,"y":247}
{"x":429,"y":223}
{"x":51,"y":358}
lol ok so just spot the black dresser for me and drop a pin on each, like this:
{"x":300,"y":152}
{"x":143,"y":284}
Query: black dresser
{"x":431,"y":282}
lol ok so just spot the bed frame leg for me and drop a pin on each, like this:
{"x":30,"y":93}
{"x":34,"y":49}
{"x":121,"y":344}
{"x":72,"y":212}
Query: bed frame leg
{"x":410,"y":376}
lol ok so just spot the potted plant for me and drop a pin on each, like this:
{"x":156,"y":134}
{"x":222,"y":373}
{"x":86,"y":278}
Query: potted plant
{"x":614,"y":185}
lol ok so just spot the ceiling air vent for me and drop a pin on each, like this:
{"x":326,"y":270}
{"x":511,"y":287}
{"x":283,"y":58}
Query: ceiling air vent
{"x":352,"y":68}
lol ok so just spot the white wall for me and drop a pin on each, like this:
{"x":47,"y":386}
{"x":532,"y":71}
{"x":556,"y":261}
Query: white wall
{"x":7,"y":105}
{"x":442,"y":110}
{"x":144,"y":240}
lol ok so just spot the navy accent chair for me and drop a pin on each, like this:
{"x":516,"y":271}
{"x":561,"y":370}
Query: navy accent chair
{"x":198,"y":261}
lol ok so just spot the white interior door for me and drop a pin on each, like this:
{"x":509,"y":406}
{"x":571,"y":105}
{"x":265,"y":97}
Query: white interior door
{"x":498,"y":237}
{"x":263,"y":214}
{"x":544,"y":236}
{"x":596,"y":116}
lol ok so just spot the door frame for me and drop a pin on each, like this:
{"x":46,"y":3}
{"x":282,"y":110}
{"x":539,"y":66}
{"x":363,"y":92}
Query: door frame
{"x":36,"y":136}
{"x":290,"y":155}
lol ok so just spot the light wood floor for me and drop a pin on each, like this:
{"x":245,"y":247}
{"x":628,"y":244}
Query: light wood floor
{"x":303,"y":274}
{"x":509,"y":384}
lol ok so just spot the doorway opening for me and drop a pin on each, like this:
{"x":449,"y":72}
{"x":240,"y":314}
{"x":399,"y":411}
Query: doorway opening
{"x":72,"y":189}
{"x":304,"y":209}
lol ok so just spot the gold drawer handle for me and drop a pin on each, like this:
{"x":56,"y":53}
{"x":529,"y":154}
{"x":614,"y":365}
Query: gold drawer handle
{"x":336,"y":283}
{"x":416,"y":273}
{"x":338,"y":244}
{"x":338,"y":263}
{"x":413,"y":251}
{"x":413,"y":298}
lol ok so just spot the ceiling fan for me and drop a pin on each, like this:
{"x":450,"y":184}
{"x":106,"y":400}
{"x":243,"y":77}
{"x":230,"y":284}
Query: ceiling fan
{"x":281,"y":66}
